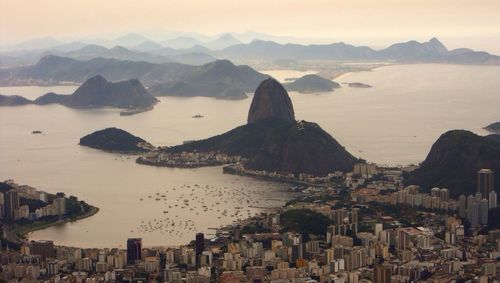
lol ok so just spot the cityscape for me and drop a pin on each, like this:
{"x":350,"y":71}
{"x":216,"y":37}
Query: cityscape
{"x":276,"y":141}
{"x":367,"y":227}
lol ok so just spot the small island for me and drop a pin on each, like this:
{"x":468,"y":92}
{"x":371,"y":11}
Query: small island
{"x":116,"y":140}
{"x":35,"y":210}
{"x":359,"y":85}
{"x":494,"y":127}
{"x":311,"y":84}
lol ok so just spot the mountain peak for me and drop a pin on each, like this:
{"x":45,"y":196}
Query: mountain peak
{"x":271,"y":101}
{"x":96,"y":78}
{"x":227,"y":36}
{"x":437,"y":45}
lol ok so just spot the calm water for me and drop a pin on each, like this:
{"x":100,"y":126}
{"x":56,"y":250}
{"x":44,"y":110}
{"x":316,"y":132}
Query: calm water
{"x":395,"y":122}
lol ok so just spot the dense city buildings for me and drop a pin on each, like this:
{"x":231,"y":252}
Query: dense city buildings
{"x":365,"y":228}
{"x":45,"y":249}
{"x":382,"y":273}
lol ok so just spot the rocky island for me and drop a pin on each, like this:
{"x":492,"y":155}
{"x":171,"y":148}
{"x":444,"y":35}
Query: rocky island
{"x":271,"y":141}
{"x":116,"y":140}
{"x":494,"y":127}
{"x":359,"y":85}
{"x":311,"y":83}
{"x":96,"y":92}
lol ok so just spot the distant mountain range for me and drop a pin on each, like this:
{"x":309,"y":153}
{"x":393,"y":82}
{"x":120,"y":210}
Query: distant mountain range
{"x":411,"y":51}
{"x":194,"y":51}
{"x":221,"y":79}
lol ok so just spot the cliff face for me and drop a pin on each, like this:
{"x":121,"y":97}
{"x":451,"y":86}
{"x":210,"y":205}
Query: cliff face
{"x":271,"y":101}
{"x":454,"y":160}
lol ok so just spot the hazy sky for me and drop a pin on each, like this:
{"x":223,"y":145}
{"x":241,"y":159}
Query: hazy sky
{"x":476,"y":22}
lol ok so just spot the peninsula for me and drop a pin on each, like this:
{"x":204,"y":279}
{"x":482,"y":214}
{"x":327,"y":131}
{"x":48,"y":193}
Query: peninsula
{"x":271,"y":141}
{"x":34,"y":209}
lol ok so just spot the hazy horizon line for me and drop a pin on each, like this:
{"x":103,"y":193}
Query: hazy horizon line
{"x":159,"y":35}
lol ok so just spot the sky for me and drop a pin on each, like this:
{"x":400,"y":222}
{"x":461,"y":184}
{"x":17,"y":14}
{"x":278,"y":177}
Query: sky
{"x":466,"y":23}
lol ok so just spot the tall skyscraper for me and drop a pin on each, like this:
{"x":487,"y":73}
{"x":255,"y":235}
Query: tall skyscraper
{"x":435,"y":192}
{"x":485,"y":183}
{"x":134,"y":250}
{"x":492,"y":199}
{"x":483,"y":211}
{"x":473,"y":213}
{"x":382,"y":273}
{"x":462,"y":206}
{"x":11,"y":199}
{"x":444,"y":194}
{"x":199,"y":247}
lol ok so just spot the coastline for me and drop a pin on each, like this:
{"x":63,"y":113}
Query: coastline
{"x":17,"y":233}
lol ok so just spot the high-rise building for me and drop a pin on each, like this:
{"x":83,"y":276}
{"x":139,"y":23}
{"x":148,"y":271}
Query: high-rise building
{"x":492,"y":200}
{"x":199,"y":247}
{"x":403,"y":239}
{"x":45,"y":249}
{"x":444,"y":194}
{"x":485,"y":181}
{"x":378,"y":228}
{"x":462,"y":206}
{"x":134,"y":250}
{"x":483,"y":211}
{"x":473,"y":212}
{"x":60,"y":204}
{"x":382,"y":273}
{"x":11,"y":204}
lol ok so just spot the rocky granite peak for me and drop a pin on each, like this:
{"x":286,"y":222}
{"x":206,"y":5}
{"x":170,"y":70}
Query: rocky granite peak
{"x":271,"y":101}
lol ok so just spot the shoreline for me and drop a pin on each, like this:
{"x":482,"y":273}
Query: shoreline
{"x":18,"y":233}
